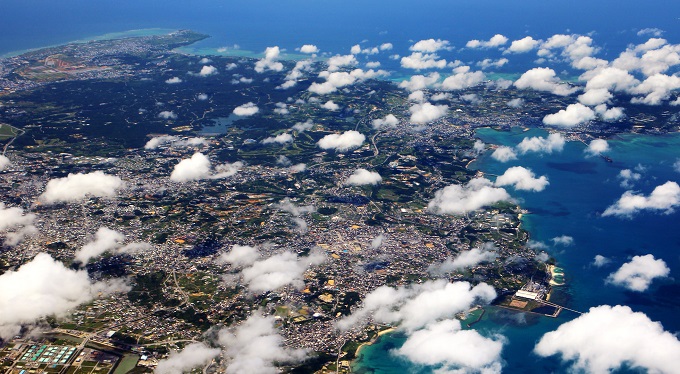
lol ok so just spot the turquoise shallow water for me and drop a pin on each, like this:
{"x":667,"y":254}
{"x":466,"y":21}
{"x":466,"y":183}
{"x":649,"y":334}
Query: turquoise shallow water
{"x":580,"y":190}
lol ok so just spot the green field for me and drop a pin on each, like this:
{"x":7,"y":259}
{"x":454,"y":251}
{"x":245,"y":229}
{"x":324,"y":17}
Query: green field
{"x":7,"y":131}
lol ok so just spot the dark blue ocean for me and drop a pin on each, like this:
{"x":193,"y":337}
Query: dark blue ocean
{"x":580,"y":189}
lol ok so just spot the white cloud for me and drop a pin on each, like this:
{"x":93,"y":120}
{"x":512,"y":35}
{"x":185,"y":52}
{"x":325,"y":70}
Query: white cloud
{"x":239,"y":256}
{"x":597,"y":147}
{"x":373,"y":64}
{"x":330,"y":105}
{"x":664,"y":198}
{"x":522,"y":179}
{"x":255,"y":347}
{"x":610,"y":338}
{"x":202,"y":97}
{"x":426,"y":112}
{"x":573,"y":115}
{"x":268,"y":62}
{"x":462,"y":78}
{"x":281,"y":139}
{"x":609,"y":114}
{"x":563,"y":240}
{"x":441,"y":96}
{"x":4,"y":162}
{"x":227,"y":170}
{"x":504,"y":154}
{"x":362,"y":177}
{"x":279,"y":270}
{"x":16,"y":224}
{"x":207,"y":70}
{"x":417,"y":305}
{"x":495,"y":41}
{"x":430,"y":45}
{"x":595,"y":97}
{"x":303,"y":126}
{"x":653,"y":31}
{"x":676,"y":165}
{"x":460,"y":199}
{"x":192,"y":356}
{"x":166,"y":114}
{"x":417,"y":96}
{"x":338,"y":61}
{"x":386,"y":47}
{"x":419,"y":82}
{"x":628,"y":177}
{"x":610,"y":78}
{"x":600,"y":261}
{"x":389,"y":121}
{"x":281,"y":108}
{"x":173,"y":141}
{"x":544,"y":79}
{"x":342,"y":142}
{"x":516,"y":103}
{"x":446,"y":345}
{"x":173,"y":80}
{"x":655,"y":89}
{"x":75,"y":187}
{"x":298,"y":168}
{"x":377,"y":241}
{"x":309,"y":48}
{"x":335,"y":80}
{"x":246,"y":110}
{"x":195,"y":168}
{"x":523,"y":45}
{"x":466,"y":259}
{"x":105,"y":240}
{"x":419,"y":61}
{"x":489,"y":63}
{"x":45,"y":287}
{"x":287,"y":206}
{"x":553,"y":143}
{"x":639,"y":273}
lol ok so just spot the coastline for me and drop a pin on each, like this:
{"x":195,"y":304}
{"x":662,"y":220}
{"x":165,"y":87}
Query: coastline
{"x":372,"y":341}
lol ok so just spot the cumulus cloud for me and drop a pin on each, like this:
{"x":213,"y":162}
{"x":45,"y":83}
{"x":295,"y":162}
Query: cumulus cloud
{"x":199,"y":167}
{"x":466,"y":259}
{"x":609,"y":78}
{"x":295,"y":74}
{"x":338,"y":61}
{"x":207,"y":70}
{"x":523,"y":45}
{"x":460,"y":199}
{"x":522,"y":179}
{"x":553,"y":143}
{"x":303,"y":126}
{"x":166,"y":114}
{"x":192,"y":356}
{"x":479,"y":146}
{"x":430,"y":45}
{"x":440,"y":96}
{"x":277,"y":271}
{"x":362,"y":177}
{"x":195,"y":168}
{"x":516,"y":103}
{"x":309,"y":48}
{"x":342,"y":142}
{"x":246,"y":110}
{"x":418,"y":305}
{"x":240,"y":255}
{"x":389,"y":121}
{"x":339,"y":79}
{"x":45,"y":287}
{"x":543,"y":79}
{"x":173,"y":80}
{"x":663,"y":199}
{"x":471,"y":98}
{"x":287,"y":206}
{"x":433,"y":346}
{"x":104,"y":240}
{"x":417,"y":96}
{"x":419,"y":82}
{"x":597,"y":147}
{"x":75,"y":187}
{"x":563,"y":240}
{"x":595,"y":97}
{"x":504,"y":154}
{"x":4,"y":162}
{"x":600,"y":261}
{"x":573,"y":115}
{"x":268,"y":62}
{"x":609,"y":114}
{"x":280,"y":139}
{"x":330,"y":105}
{"x":639,"y":273}
{"x":495,"y":41}
{"x":420,"y":61}
{"x":628,"y":178}
{"x":655,"y":89}
{"x":462,"y":78}
{"x":426,"y":112}
{"x":489,"y":63}
{"x":377,"y":241}
{"x":256,"y":347}
{"x":173,"y":141}
{"x":15,"y":224}
{"x":610,"y":338}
